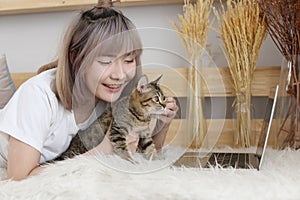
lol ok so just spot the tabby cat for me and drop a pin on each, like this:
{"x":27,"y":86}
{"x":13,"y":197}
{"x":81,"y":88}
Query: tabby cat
{"x":126,"y":114}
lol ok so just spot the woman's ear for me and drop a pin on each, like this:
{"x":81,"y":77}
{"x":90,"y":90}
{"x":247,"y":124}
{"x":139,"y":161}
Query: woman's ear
{"x":72,"y":57}
{"x":142,"y":83}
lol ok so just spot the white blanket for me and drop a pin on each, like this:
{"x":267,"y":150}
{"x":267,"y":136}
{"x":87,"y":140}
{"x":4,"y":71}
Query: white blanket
{"x":90,"y":178}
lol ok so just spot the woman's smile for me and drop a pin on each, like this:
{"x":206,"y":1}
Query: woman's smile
{"x":113,"y":87}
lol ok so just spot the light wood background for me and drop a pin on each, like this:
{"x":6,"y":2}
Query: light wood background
{"x":34,"y":6}
{"x":264,"y":79}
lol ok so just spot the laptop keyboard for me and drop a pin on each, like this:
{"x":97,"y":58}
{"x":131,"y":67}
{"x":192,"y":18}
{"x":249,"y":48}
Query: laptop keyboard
{"x":236,"y":160}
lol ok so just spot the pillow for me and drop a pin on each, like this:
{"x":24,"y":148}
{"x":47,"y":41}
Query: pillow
{"x":7,"y":86}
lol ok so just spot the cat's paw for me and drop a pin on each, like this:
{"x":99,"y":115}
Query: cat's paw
{"x":151,"y":156}
{"x":126,"y":156}
{"x":133,"y":161}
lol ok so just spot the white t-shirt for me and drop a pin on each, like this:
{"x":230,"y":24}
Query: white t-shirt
{"x":36,"y":117}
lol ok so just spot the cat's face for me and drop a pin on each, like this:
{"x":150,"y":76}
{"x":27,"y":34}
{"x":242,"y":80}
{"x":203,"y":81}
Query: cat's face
{"x":151,"y":96}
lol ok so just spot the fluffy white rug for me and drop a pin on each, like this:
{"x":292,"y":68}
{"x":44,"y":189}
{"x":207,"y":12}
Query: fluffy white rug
{"x":89,"y":178}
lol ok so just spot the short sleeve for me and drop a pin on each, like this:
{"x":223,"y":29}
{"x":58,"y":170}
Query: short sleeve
{"x":27,"y":116}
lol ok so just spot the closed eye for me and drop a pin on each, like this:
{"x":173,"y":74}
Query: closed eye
{"x":129,"y":61}
{"x":105,"y":62}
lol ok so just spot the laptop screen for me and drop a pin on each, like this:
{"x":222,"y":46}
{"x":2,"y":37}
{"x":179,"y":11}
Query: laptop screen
{"x":267,"y":122}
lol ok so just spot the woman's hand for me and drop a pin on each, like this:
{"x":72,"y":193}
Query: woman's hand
{"x":132,"y":140}
{"x":169,"y":113}
{"x":164,"y":121}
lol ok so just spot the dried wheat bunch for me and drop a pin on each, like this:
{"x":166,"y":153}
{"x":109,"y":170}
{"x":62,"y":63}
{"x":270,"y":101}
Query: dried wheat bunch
{"x":193,"y":28}
{"x":194,"y":24}
{"x":242,"y":32}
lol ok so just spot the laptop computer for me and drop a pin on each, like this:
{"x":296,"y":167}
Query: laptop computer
{"x":236,"y":160}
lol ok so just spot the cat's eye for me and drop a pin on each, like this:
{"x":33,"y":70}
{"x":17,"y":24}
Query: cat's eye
{"x":164,"y":100}
{"x":155,"y":99}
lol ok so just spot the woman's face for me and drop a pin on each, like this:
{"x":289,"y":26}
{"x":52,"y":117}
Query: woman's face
{"x":108,"y":76}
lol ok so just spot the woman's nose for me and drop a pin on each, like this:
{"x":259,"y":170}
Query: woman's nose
{"x":117,"y":72}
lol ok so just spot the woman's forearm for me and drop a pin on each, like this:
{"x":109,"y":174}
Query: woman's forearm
{"x":160,"y":135}
{"x":105,"y":147}
{"x":36,"y":171}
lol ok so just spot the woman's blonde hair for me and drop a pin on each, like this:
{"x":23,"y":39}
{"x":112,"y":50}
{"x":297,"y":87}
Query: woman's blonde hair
{"x":86,"y":33}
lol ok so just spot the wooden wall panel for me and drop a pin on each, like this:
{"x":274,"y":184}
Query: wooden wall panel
{"x":218,"y":81}
{"x":175,"y":80}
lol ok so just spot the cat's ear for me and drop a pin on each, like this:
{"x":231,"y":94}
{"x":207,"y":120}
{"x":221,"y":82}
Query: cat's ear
{"x":142,"y":83}
{"x":156,"y":81}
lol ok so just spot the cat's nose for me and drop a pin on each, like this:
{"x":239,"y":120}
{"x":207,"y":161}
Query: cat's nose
{"x":163,"y":104}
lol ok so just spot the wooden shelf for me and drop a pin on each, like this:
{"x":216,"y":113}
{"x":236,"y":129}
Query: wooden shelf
{"x":35,"y":6}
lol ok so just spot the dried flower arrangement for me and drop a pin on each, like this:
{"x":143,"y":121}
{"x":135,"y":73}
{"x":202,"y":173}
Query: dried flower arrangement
{"x":193,"y":30}
{"x":242,"y":31}
{"x":282,"y":19}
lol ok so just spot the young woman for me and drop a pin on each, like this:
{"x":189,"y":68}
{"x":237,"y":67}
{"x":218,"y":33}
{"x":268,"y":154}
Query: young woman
{"x":99,"y":63}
